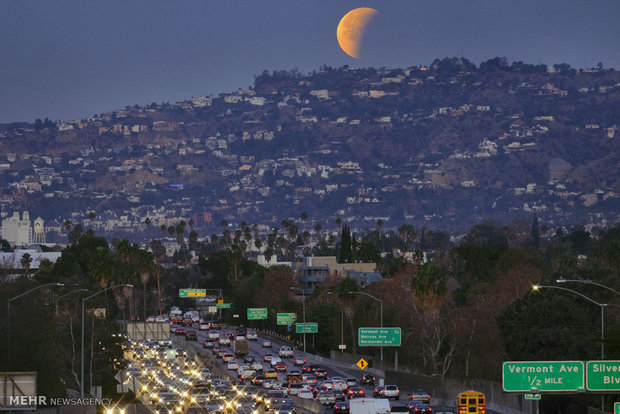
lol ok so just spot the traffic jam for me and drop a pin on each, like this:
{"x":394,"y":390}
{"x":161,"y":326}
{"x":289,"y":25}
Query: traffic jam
{"x":240,"y":372}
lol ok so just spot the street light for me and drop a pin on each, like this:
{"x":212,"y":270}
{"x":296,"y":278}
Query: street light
{"x":380,"y":307}
{"x":84,"y":300}
{"x":8,"y":312}
{"x":67,"y":294}
{"x":303,"y":301}
{"x":586,"y":281}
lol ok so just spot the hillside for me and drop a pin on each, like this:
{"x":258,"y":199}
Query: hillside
{"x":443,"y":146}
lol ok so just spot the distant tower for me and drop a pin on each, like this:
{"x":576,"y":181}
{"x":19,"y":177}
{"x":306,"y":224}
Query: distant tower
{"x":39,"y":231}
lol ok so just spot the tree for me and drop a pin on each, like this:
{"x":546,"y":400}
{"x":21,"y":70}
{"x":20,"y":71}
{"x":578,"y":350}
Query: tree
{"x":535,"y":232}
{"x":26,"y":261}
{"x":346,"y":250}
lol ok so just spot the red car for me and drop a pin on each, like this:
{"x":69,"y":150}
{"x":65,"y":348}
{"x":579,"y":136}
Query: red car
{"x":280,"y":366}
{"x":356,"y":392}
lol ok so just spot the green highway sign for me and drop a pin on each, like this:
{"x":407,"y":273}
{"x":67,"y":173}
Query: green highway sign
{"x":378,"y":336}
{"x":532,"y":396}
{"x":222,"y":305}
{"x":527,"y":376}
{"x":286,"y":318}
{"x":603,"y":375}
{"x":257,"y":313}
{"x":617,"y":408}
{"x":192,"y":293}
{"x":307,"y":327}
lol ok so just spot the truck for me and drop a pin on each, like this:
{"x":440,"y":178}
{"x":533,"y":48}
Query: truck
{"x":175,"y":311}
{"x":241,"y":347}
{"x":193,"y":315}
{"x":369,"y":406}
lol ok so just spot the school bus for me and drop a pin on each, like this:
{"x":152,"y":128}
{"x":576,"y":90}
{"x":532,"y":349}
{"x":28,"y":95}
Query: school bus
{"x":471,"y":401}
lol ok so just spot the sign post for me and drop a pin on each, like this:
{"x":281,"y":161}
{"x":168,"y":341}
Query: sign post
{"x":257,"y":313}
{"x":286,"y":318}
{"x":379,"y":336}
{"x":603,"y":375}
{"x":540,"y":376}
{"x":192,"y":293}
{"x":307,"y":327}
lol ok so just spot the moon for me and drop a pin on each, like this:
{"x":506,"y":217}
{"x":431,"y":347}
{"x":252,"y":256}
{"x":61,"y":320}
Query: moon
{"x":351,"y":29}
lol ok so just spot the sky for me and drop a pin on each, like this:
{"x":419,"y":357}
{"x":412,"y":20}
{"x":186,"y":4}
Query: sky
{"x":71,"y":59}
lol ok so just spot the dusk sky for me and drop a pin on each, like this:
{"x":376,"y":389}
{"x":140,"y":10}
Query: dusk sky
{"x":70,"y":59}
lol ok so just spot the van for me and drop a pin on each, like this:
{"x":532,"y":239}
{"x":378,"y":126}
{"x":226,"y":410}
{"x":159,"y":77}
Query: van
{"x":369,"y":406}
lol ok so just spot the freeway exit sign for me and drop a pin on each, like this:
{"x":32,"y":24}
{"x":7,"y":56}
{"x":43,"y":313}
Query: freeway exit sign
{"x":603,"y":375}
{"x":286,"y":318}
{"x":192,"y":293}
{"x":307,"y":327}
{"x":222,"y":305}
{"x":257,"y":313}
{"x":526,"y":376}
{"x":378,"y":336}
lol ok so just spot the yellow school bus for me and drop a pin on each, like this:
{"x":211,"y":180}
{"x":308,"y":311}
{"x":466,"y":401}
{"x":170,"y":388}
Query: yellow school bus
{"x":471,"y":401}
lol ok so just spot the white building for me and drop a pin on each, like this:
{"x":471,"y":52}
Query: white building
{"x":18,"y":232}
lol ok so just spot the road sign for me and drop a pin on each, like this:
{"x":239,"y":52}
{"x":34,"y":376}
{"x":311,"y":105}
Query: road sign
{"x":222,"y":305}
{"x":212,"y":309}
{"x":236,"y":315}
{"x":342,"y":346}
{"x":286,"y":318}
{"x":362,"y":364}
{"x":617,"y":408}
{"x":192,"y":293}
{"x":307,"y":327}
{"x":379,"y":336}
{"x":532,"y":396}
{"x":603,"y":375}
{"x":526,"y":376}
{"x":257,"y":313}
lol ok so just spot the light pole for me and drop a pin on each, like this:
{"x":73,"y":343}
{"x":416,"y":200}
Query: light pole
{"x":341,"y":323}
{"x":303,"y":301}
{"x":588,"y":282}
{"x":67,"y":294}
{"x":381,"y":310}
{"x":602,"y":305}
{"x":8,"y":312}
{"x":83,"y":301}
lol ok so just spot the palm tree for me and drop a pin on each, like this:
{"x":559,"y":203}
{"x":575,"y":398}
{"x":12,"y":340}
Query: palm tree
{"x":25,"y":261}
{"x":159,"y":252}
{"x":380,"y":227}
{"x":91,"y":216}
{"x":68,"y":225}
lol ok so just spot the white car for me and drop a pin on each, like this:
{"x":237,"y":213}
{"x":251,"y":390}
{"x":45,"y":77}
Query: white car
{"x":251,"y":336}
{"x":150,"y":319}
{"x":161,"y":319}
{"x":275,"y":360}
{"x":213,"y":334}
{"x":286,"y":352}
{"x":391,"y":391}
{"x":257,"y":366}
{"x":232,"y":365}
{"x":305,"y":394}
{"x":339,"y":384}
{"x":204,"y":326}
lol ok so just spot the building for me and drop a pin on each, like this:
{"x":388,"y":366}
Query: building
{"x":313,"y":270}
{"x":18,"y":232}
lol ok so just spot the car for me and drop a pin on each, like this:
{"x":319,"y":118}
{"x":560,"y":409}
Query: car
{"x":160,"y":318}
{"x":267,"y":343}
{"x":251,"y":336}
{"x":188,"y":321}
{"x":286,"y":352}
{"x":309,"y":368}
{"x":213,"y":334}
{"x":299,"y":361}
{"x":191,"y":335}
{"x":378,"y":391}
{"x":305,"y":394}
{"x":320,"y":373}
{"x":340,"y":384}
{"x":274,"y":360}
{"x":294,"y":388}
{"x":328,"y":384}
{"x":273,"y":397}
{"x":271,"y":373}
{"x":309,"y":378}
{"x":224,"y":341}
{"x":280,"y":366}
{"x":420,"y":395}
{"x":179,"y":331}
{"x":399,"y":409}
{"x":204,"y":326}
{"x":257,"y":366}
{"x":356,"y":392}
{"x":352,"y":382}
{"x":150,"y":318}
{"x":341,"y":395}
{"x":257,"y":380}
{"x":228,"y":357}
{"x":232,"y":365}
{"x":285,"y":407}
{"x":367,"y":379}
{"x":341,"y":407}
{"x":326,"y":398}
{"x":267,"y":357}
{"x":391,"y":391}
{"x":208,"y":343}
{"x":248,"y":359}
{"x":418,"y":407}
